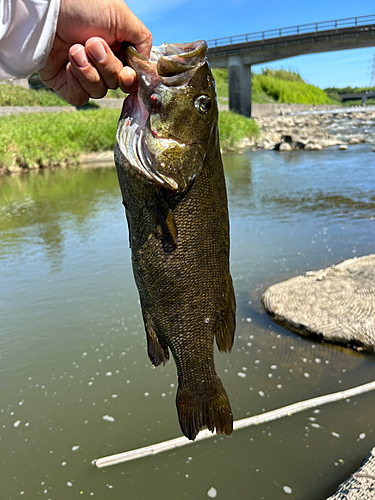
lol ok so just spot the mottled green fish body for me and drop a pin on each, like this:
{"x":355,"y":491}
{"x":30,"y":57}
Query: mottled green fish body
{"x":171,"y":177}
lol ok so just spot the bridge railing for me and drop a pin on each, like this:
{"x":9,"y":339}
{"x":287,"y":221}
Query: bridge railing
{"x":349,"y":22}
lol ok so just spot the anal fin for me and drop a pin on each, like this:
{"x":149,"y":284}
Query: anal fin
{"x":224,"y":332}
{"x":156,"y":352}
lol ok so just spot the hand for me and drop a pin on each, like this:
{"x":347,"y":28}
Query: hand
{"x":86,"y":57}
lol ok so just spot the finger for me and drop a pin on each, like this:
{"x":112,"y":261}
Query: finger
{"x":107,"y":64}
{"x":73,"y":92}
{"x":57,"y":81}
{"x":132,"y":30}
{"x":86,"y":73}
{"x":127,"y":80}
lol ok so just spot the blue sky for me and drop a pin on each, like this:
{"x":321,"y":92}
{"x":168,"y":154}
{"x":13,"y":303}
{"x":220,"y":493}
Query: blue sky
{"x":187,"y":20}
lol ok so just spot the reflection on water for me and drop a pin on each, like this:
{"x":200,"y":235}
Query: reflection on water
{"x":76,"y":382}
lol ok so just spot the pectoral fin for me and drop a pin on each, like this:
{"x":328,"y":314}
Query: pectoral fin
{"x":164,"y":219}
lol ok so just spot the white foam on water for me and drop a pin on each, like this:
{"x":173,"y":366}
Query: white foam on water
{"x":212,"y":492}
{"x":108,"y":418}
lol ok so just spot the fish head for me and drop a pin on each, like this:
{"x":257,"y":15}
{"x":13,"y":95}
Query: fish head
{"x":166,"y":127}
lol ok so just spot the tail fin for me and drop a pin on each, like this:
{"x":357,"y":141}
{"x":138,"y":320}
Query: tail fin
{"x":209,"y":409}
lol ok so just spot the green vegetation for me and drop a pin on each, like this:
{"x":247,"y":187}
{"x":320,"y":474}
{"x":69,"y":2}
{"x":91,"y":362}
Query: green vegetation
{"x":279,"y":85}
{"x":333,"y":93}
{"x":12,"y":95}
{"x":116,"y":94}
{"x":348,"y":90}
{"x":296,"y":92}
{"x":233,"y":128}
{"x":282,"y":74}
{"x":44,"y":139}
{"x":221,"y":80}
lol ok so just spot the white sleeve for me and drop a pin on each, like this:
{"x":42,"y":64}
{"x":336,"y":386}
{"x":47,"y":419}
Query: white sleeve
{"x":27,"y":32}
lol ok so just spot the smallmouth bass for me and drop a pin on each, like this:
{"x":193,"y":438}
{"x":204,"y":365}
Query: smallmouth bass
{"x":171,"y":176}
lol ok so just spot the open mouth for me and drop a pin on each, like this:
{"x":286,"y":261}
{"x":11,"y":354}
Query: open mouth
{"x":130,"y":135}
{"x":143,"y":147}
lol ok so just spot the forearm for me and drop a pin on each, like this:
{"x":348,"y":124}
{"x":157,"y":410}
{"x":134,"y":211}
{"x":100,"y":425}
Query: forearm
{"x":27,"y":32}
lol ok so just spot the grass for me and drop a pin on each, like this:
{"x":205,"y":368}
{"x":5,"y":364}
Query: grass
{"x":279,"y":85}
{"x":233,"y":128}
{"x":12,"y":95}
{"x":221,"y":80}
{"x":47,"y":139}
{"x":296,"y":92}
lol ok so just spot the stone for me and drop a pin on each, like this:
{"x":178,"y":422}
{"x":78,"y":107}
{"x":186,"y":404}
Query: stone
{"x":336,"y":304}
{"x":343,"y":147}
{"x":360,"y":485}
{"x":285,"y":146}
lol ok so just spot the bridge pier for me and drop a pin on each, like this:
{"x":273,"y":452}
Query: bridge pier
{"x":239,"y":83}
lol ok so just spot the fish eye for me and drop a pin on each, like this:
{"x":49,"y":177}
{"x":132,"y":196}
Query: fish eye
{"x":203,"y":104}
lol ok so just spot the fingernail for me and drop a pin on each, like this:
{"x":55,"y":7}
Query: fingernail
{"x":80,"y":58}
{"x":97,"y":51}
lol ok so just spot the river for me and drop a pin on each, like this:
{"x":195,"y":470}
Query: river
{"x":76,"y":383}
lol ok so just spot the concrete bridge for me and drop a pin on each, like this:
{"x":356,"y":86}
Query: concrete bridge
{"x":238,"y":53}
{"x":357,"y":95}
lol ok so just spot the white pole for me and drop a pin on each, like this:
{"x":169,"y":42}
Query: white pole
{"x":285,"y":411}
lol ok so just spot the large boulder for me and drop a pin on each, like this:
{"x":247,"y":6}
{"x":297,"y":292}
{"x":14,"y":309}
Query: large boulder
{"x":336,"y":304}
{"x":361,"y":485}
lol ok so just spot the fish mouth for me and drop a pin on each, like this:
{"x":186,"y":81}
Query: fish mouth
{"x":131,"y":140}
{"x":144,"y":147}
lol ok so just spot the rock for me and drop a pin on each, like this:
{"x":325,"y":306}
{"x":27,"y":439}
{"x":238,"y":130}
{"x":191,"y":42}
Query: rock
{"x":326,"y":143}
{"x":313,"y":147}
{"x":336,"y":304}
{"x":354,"y":140}
{"x":360,"y":485}
{"x":295,"y":141}
{"x":343,"y":147}
{"x":373,"y":150}
{"x":284,"y":146}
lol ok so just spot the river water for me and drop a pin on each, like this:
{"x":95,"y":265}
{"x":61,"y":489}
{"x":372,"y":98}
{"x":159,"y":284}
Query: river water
{"x":76,"y":383}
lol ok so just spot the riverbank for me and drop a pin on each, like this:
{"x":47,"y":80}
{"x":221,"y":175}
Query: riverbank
{"x":32,"y":141}
{"x":42,"y":140}
{"x":316,"y":129}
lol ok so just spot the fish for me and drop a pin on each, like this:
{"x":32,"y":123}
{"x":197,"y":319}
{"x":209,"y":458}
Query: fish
{"x":171,"y":177}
